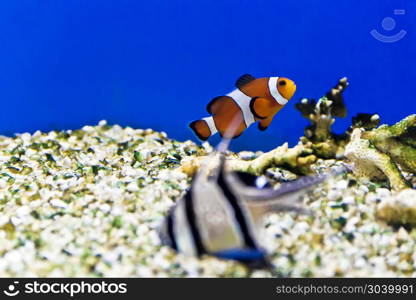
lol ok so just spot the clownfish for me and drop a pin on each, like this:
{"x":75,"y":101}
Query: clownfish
{"x":220,"y":215}
{"x":252,"y":100}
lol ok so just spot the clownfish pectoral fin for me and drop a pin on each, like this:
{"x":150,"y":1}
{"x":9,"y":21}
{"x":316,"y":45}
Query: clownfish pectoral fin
{"x":264,"y":124}
{"x":244,"y":79}
{"x":203,"y":128}
{"x":214,"y":104}
{"x":261,"y":108}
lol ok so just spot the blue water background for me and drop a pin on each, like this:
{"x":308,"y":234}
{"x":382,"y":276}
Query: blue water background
{"x":156,"y":64}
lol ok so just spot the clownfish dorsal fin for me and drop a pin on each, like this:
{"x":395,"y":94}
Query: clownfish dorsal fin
{"x":244,"y":79}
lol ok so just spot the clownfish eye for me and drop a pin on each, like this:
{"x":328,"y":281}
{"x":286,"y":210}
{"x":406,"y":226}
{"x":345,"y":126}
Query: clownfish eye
{"x":282,"y":83}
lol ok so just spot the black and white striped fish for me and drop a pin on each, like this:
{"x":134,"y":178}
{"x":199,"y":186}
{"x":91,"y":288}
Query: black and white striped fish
{"x":219,"y":215}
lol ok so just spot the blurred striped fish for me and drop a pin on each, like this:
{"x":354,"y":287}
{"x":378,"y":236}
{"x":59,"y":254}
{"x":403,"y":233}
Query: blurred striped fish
{"x":219,"y":214}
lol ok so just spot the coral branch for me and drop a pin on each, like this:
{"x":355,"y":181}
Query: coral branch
{"x":371,"y":163}
{"x":324,"y":143}
{"x":398,"y":141}
{"x":298,"y":159}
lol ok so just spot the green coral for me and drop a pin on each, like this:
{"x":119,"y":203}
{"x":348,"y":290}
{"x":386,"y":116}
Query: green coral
{"x":372,"y":163}
{"x":385,"y":150}
{"x":397,"y":141}
{"x":377,"y":153}
{"x":392,"y":147}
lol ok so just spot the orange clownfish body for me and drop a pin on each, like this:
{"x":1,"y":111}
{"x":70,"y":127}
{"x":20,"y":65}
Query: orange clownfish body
{"x":253,"y":100}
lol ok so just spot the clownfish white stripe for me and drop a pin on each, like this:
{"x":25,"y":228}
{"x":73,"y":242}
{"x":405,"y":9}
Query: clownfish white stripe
{"x":243,"y":101}
{"x":274,"y":92}
{"x":211,"y":125}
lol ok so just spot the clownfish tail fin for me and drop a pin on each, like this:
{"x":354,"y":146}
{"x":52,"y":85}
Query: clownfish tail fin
{"x":203,"y":128}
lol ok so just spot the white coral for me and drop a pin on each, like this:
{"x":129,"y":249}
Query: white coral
{"x":369,"y":162}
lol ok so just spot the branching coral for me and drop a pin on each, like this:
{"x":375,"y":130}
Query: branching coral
{"x":383,"y":150}
{"x":376,"y":152}
{"x":298,"y":159}
{"x":397,"y":141}
{"x":321,"y":114}
{"x":365,"y":121}
{"x":371,"y":163}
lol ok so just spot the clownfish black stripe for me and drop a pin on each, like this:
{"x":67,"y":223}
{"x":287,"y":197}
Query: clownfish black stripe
{"x":190,"y":215}
{"x":239,"y":215}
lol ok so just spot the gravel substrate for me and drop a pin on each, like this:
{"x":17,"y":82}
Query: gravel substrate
{"x":88,"y":203}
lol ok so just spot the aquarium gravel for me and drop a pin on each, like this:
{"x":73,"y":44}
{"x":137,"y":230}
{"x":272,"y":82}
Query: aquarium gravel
{"x":88,"y":203}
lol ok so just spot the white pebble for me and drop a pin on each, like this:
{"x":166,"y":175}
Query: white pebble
{"x":58,"y":203}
